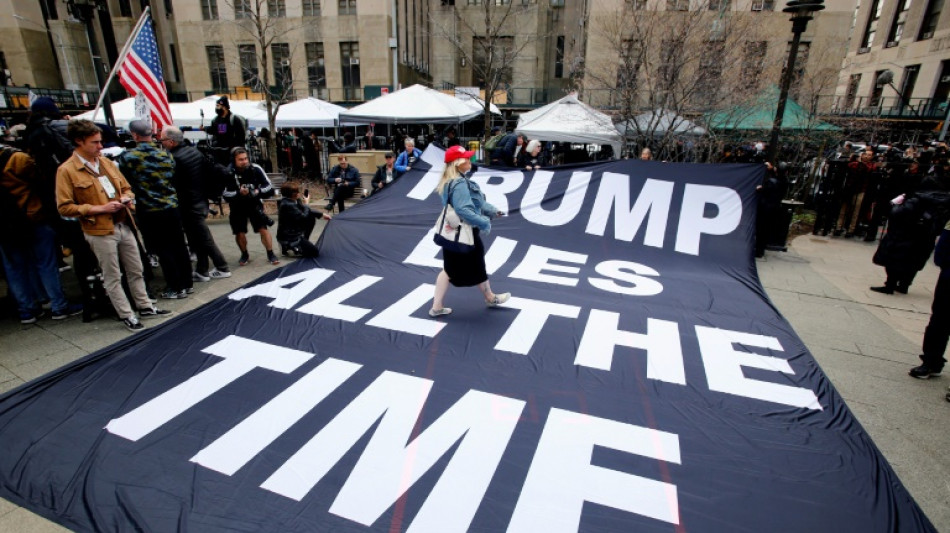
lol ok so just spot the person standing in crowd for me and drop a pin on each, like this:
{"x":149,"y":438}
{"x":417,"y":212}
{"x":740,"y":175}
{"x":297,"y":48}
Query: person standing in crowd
{"x":907,"y":244}
{"x":519,"y":149}
{"x":856,"y":184}
{"x":464,"y":269}
{"x":532,"y":158}
{"x":408,"y":158}
{"x":150,"y":170}
{"x":938,"y":329}
{"x":504,"y":152}
{"x":492,"y":143}
{"x":346,"y":178}
{"x":227,"y":130}
{"x":349,"y":145}
{"x":768,"y":213}
{"x":646,"y":155}
{"x":385,"y":173}
{"x":47,"y":143}
{"x":27,"y":243}
{"x":91,"y":188}
{"x":295,"y":222}
{"x":245,"y":189}
{"x":191,"y":172}
{"x":312,"y":148}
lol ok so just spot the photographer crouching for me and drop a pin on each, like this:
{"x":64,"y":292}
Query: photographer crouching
{"x":295,"y":221}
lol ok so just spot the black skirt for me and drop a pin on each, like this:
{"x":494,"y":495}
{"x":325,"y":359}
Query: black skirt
{"x":466,"y":269}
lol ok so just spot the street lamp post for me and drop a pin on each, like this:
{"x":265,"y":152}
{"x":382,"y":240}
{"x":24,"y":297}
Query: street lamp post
{"x":84,"y":10}
{"x":801,"y":11}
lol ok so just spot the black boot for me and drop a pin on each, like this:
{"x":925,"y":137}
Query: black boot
{"x":886,"y":289}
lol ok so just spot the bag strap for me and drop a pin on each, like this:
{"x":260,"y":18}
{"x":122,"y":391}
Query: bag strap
{"x":445,"y":209}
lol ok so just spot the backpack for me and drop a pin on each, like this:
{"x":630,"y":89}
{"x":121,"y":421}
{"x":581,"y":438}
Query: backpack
{"x":492,"y":142}
{"x":60,"y":147}
{"x":240,"y":119}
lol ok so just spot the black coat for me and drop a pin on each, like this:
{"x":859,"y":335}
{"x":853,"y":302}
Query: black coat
{"x":380,"y":176}
{"x":192,"y":169}
{"x":292,"y":220}
{"x":909,"y":241}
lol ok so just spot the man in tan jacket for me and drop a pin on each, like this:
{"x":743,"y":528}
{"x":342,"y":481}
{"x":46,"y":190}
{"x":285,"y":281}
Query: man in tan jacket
{"x":92,"y":189}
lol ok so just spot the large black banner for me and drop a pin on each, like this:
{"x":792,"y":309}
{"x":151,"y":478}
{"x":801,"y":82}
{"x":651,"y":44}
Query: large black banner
{"x":639,"y":379}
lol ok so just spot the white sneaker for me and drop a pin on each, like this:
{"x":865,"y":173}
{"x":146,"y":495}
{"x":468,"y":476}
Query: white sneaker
{"x":214,"y":273}
{"x":439,"y":312}
{"x":498,"y":299}
{"x":197,"y":276}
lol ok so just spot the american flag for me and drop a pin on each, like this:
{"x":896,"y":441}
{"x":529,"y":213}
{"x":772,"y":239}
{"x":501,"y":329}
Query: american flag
{"x":141,"y":72}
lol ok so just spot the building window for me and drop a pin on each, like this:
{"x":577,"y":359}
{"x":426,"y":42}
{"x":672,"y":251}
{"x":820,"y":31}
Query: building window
{"x":217,"y":68}
{"x":677,"y":5}
{"x":48,"y":7}
{"x":636,"y":5}
{"x":853,"y":82}
{"x":283,"y":77}
{"x":873,"y":18}
{"x":559,"y":57}
{"x":276,"y":8}
{"x":473,"y":2}
{"x":897,"y":26}
{"x":629,"y":66}
{"x":719,"y":5}
{"x":763,"y":5}
{"x":347,"y":7}
{"x":753,"y":61}
{"x":501,"y":66}
{"x":311,"y":8}
{"x":350,"y":63}
{"x":125,"y":8}
{"x":929,"y":24}
{"x":173,"y":57}
{"x":710,"y":72}
{"x":316,"y":69}
{"x":877,"y":89}
{"x":209,"y":9}
{"x":908,"y":84}
{"x":801,"y":60}
{"x":247,"y":54}
{"x":242,"y":9}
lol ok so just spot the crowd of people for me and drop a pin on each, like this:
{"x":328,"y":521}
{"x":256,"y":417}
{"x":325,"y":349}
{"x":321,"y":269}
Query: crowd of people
{"x":68,"y":190}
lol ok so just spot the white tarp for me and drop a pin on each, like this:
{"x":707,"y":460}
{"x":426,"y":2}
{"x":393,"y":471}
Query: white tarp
{"x":183,"y":114}
{"x":569,"y":120}
{"x":659,"y":123}
{"x":306,"y":113}
{"x":413,"y":105}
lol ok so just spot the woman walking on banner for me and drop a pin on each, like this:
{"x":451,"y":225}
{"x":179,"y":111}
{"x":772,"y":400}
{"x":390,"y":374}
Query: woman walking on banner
{"x":464,"y":269}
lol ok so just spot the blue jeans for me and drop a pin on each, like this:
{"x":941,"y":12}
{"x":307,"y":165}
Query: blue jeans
{"x":35,"y":253}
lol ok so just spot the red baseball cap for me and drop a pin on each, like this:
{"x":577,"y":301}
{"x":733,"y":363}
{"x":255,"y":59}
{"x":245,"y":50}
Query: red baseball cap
{"x":457,"y":152}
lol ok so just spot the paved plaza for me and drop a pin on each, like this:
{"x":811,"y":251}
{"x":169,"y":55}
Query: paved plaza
{"x":864,"y":341}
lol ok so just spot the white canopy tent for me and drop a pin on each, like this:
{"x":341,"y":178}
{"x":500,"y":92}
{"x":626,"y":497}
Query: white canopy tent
{"x":477,"y":104}
{"x":413,"y":105}
{"x":659,"y":123}
{"x":184,"y":114}
{"x":569,"y":120}
{"x":305,"y":113}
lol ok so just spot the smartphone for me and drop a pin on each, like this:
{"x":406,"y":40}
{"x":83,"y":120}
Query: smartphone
{"x":306,"y":192}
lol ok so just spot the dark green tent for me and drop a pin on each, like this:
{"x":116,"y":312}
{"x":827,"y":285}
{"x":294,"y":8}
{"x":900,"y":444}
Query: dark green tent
{"x":760,"y":114}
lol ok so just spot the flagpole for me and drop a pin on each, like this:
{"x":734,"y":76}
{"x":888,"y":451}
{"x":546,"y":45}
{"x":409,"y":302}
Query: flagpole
{"x":103,"y":93}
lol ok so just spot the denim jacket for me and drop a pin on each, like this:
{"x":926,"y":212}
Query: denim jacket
{"x":470,"y":204}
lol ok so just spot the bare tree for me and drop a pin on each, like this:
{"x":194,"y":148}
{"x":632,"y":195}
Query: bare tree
{"x":490,"y":43}
{"x":679,"y":62}
{"x":254,"y":19}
